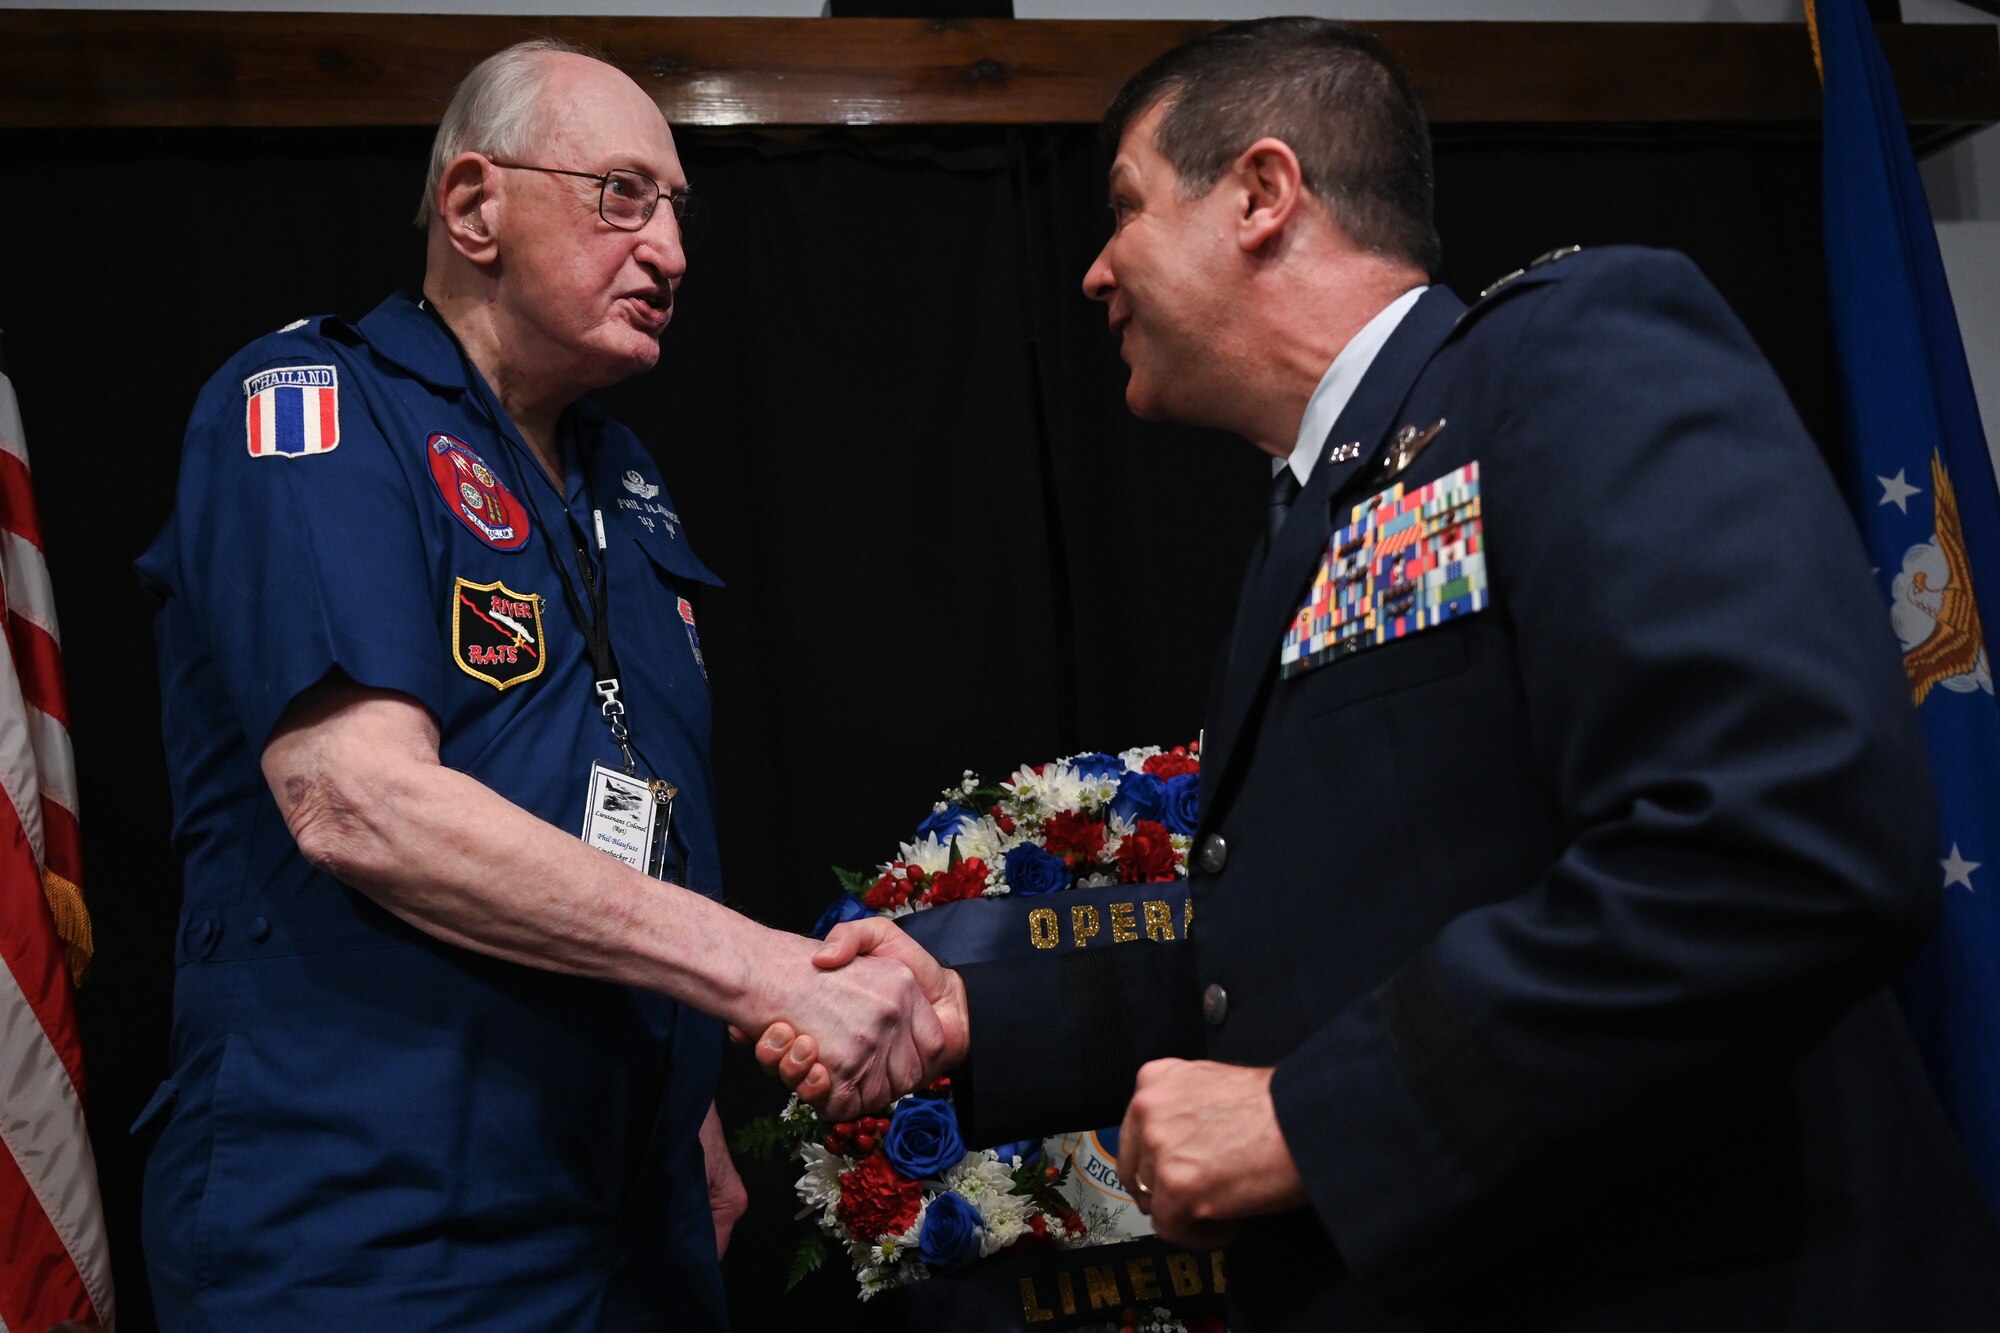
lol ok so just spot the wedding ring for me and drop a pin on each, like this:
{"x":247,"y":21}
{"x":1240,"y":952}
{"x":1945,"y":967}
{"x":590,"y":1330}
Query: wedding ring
{"x":1142,"y":1189}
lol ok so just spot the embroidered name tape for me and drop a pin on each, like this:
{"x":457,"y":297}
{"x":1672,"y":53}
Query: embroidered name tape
{"x":1404,"y":562}
{"x":293,"y":411}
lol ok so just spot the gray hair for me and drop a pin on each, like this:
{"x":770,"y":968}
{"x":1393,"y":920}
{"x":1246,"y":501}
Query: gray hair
{"x":497,"y":109}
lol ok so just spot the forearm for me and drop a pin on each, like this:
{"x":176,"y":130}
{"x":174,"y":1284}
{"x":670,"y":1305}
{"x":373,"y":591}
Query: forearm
{"x":356,"y":775}
{"x":460,"y":862}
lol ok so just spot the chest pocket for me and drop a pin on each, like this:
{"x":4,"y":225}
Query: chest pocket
{"x":683,"y":574}
{"x":1417,"y":659}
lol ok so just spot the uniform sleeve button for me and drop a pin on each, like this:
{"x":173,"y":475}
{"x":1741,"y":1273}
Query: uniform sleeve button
{"x":1214,"y":853}
{"x":1215,"y":1004}
{"x":260,"y":929}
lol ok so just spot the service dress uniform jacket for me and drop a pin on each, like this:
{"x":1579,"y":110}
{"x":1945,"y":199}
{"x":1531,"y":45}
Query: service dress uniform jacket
{"x":1564,"y":816}
{"x":364,"y":1127}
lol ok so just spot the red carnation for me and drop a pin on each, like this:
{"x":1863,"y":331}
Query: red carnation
{"x":1074,"y":836}
{"x":875,"y":1199}
{"x":1147,"y":855}
{"x":1175,"y":763}
{"x":965,"y":880}
{"x":886,"y":893}
{"x":1005,"y":822}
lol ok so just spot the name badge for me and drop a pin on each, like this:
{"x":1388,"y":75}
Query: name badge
{"x":629,"y":817}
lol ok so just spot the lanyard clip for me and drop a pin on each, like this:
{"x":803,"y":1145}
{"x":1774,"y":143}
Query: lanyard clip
{"x":614,"y":713}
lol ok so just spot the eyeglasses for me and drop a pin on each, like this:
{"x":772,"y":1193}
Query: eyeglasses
{"x":625,"y":199}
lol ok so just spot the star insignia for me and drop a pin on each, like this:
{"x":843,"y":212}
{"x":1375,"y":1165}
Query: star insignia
{"x":1897,"y":492}
{"x":1958,"y":870}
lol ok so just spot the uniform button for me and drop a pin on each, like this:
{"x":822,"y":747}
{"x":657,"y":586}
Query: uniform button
{"x":260,"y":929}
{"x":1214,"y":853}
{"x":1215,"y":1004}
{"x":202,"y":934}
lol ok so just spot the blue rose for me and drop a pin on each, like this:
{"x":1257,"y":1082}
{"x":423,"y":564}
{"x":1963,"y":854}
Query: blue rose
{"x":923,"y":1141}
{"x":1140,"y":796}
{"x":945,"y":822}
{"x":1181,"y":809}
{"x":1098,"y":766}
{"x":950,"y":1237}
{"x":1030,"y":870}
{"x":845,"y":908}
{"x":1028,"y":1150}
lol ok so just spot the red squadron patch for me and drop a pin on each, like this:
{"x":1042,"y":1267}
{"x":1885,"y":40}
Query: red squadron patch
{"x":470,"y":490}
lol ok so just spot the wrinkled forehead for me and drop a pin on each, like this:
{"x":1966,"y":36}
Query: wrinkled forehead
{"x":596,"y":118}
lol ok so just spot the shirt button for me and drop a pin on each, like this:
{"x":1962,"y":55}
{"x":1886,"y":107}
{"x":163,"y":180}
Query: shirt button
{"x":1214,"y":853}
{"x":1215,"y":1004}
{"x":260,"y":929}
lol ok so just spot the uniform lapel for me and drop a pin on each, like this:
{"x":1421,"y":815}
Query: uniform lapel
{"x":1277,"y":586}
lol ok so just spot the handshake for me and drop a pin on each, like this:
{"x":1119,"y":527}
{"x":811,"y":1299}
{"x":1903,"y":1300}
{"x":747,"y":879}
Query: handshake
{"x":869,"y":1017}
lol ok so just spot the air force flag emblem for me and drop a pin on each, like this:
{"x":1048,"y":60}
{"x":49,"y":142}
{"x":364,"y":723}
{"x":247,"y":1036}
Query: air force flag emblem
{"x":293,"y":411}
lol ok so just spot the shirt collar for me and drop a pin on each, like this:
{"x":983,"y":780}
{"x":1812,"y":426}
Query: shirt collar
{"x":402,"y":330}
{"x":1338,"y":385}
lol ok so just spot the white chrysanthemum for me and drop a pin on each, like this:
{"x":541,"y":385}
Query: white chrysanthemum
{"x":820,"y":1185}
{"x":984,"y":839}
{"x":987,"y":1183}
{"x":1102,"y":879}
{"x":929,"y":855}
{"x":1135,"y":760}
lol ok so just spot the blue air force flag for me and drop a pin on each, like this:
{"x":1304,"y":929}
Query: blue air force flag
{"x":1923,"y":489}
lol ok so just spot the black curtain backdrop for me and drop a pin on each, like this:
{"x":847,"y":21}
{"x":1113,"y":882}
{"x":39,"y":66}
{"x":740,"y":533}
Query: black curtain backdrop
{"x":888,"y":416}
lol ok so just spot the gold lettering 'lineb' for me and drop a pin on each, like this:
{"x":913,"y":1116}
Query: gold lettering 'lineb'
{"x":1115,"y":1286}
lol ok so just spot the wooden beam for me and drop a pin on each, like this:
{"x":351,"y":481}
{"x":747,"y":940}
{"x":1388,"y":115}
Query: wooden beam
{"x":177,"y":68}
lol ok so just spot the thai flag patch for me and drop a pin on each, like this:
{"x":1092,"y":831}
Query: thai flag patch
{"x":293,"y":411}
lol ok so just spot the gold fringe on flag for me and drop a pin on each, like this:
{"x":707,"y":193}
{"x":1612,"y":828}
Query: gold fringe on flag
{"x":72,"y":923}
{"x":1812,"y":31}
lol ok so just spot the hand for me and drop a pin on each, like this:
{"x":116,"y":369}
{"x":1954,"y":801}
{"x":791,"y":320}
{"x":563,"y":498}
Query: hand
{"x":876,"y":1026}
{"x":726,"y":1196}
{"x":1200,"y":1148}
{"x":794,"y":1056}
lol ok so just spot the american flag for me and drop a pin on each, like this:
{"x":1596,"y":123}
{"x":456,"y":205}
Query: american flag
{"x":55,"y":1264}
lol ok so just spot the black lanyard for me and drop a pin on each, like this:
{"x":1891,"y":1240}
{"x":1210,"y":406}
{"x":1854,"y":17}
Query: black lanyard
{"x":596,"y":628}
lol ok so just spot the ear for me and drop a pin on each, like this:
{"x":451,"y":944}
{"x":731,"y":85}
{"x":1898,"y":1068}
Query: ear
{"x":1272,"y":189}
{"x":465,"y":205}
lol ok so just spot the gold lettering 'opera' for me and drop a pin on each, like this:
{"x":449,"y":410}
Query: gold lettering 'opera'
{"x":1153,"y":920}
{"x":1115,"y":1286}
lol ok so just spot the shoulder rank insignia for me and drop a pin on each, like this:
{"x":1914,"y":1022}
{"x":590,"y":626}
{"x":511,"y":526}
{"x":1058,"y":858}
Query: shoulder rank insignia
{"x":1560,"y":252}
{"x":1405,"y":562}
{"x":470,"y":490}
{"x":294,"y":411}
{"x":496,"y":633}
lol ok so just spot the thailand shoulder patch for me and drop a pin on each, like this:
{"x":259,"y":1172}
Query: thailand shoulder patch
{"x":496,"y":633}
{"x":293,"y":411}
{"x":470,"y":490}
{"x":1406,"y":561}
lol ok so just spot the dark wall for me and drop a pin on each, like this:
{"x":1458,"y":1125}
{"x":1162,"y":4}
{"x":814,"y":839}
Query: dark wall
{"x":886,"y":413}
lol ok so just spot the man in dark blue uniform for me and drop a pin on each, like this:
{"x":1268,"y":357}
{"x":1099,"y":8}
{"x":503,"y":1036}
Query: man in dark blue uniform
{"x":427,"y":616}
{"x":1563,"y":814}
